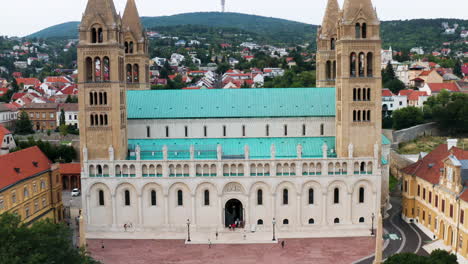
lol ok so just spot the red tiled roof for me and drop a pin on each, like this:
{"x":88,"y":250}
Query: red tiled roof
{"x":414,"y":96}
{"x":387,"y":93}
{"x":428,"y":168}
{"x":17,"y":96}
{"x":405,"y":92}
{"x":3,"y":132}
{"x":70,"y":168}
{"x":22,"y":164}
{"x":437,"y":87}
{"x":28,"y":81}
{"x":56,"y":79}
{"x":425,"y":73}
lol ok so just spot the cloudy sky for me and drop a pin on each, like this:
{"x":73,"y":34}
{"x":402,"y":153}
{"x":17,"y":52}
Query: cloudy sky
{"x":23,"y":17}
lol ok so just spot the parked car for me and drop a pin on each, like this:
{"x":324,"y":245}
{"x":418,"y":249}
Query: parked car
{"x":75,"y":192}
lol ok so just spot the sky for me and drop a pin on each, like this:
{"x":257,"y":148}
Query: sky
{"x":23,"y":17}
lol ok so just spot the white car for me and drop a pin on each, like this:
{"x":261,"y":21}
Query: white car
{"x":75,"y":192}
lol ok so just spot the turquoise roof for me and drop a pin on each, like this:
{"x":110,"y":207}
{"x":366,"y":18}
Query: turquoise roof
{"x":231,"y":103}
{"x":233,"y":148}
{"x":385,"y":140}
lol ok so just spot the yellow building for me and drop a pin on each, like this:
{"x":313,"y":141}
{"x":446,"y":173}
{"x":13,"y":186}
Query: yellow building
{"x":435,"y":196}
{"x":30,"y":186}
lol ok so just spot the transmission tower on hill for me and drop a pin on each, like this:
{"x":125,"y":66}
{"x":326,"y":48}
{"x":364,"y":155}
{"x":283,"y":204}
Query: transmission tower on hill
{"x":223,"y":5}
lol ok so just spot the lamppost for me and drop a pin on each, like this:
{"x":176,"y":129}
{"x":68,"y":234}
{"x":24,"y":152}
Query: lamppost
{"x":372,"y":228}
{"x":188,"y":230}
{"x":274,"y":223}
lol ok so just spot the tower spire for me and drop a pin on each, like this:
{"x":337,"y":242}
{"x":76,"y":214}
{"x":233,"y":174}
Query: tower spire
{"x":131,"y":20}
{"x":104,"y":8}
{"x":352,"y":8}
{"x":330,"y":18}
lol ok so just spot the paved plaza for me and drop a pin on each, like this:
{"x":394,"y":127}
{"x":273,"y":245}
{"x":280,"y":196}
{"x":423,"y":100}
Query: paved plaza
{"x":297,"y":251}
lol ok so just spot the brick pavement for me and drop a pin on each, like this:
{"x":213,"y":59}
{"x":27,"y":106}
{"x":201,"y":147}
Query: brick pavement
{"x":297,"y":251}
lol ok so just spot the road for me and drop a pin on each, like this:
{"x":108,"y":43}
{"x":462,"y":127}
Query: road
{"x":73,"y":206}
{"x":411,"y":237}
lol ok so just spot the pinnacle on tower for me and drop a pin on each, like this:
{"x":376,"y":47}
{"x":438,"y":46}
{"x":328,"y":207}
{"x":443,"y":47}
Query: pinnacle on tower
{"x":223,"y":6}
{"x":330,"y":18}
{"x":131,"y":20}
{"x":353,"y":8}
{"x":104,"y":8}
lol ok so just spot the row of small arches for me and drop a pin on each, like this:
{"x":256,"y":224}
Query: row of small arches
{"x":361,"y":116}
{"x":363,"y":94}
{"x":311,"y":221}
{"x":98,"y":120}
{"x":97,"y":98}
{"x":330,"y":70}
{"x":358,"y":64}
{"x":97,"y":69}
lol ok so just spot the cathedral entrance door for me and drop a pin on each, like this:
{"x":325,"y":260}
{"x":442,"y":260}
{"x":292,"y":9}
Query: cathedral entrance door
{"x":233,"y":211}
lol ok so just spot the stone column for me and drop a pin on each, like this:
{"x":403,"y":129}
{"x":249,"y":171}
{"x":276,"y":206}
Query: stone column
{"x":273,"y":203}
{"x":166,"y":209}
{"x":114,"y":213}
{"x":299,"y":211}
{"x":324,"y":207}
{"x":194,"y":219}
{"x":140,"y":210}
{"x":220,"y":216}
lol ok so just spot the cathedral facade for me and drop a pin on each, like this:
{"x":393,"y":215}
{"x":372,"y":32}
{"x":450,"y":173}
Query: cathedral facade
{"x":309,"y":161}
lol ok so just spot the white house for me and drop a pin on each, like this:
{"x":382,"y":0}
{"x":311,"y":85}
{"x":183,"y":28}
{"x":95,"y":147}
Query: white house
{"x":71,"y":114}
{"x":7,"y":142}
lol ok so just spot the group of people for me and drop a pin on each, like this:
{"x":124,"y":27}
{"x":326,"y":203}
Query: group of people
{"x":235,"y":225}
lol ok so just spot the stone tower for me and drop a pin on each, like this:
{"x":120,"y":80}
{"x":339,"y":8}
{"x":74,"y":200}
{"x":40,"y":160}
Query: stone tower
{"x":136,"y":49}
{"x":326,"y":46}
{"x":358,"y":82}
{"x":101,"y":82}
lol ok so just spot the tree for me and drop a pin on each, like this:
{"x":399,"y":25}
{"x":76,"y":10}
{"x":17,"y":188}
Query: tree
{"x":388,"y":74}
{"x":63,"y":130}
{"x":407,"y":117}
{"x":43,"y":242}
{"x":449,"y":110}
{"x":395,"y":86}
{"x":14,"y":85}
{"x":437,"y":256}
{"x":24,"y":126}
{"x":458,"y":69}
{"x":62,"y":118}
{"x":222,"y":68}
{"x":71,"y":99}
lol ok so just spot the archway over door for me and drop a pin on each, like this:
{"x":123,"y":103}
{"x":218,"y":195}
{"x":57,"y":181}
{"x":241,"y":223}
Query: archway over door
{"x":233,"y":211}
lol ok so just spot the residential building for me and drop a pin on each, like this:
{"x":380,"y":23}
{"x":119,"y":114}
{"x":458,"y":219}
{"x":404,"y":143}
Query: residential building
{"x":43,"y":116}
{"x":435,"y":88}
{"x":71,"y":114}
{"x":414,"y":98}
{"x":8,"y":115}
{"x":30,"y":186}
{"x":435,"y":196}
{"x":392,"y":102}
{"x":7,"y":142}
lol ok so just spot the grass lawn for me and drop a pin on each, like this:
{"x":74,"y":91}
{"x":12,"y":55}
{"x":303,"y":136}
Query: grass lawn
{"x":427,"y":144}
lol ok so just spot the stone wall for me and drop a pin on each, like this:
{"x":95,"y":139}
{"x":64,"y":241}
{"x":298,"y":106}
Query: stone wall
{"x":412,"y":133}
{"x":398,"y":162}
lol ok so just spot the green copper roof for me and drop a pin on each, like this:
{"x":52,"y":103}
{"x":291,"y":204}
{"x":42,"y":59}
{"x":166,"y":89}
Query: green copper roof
{"x":385,"y":140}
{"x":233,"y":148}
{"x":231,"y":103}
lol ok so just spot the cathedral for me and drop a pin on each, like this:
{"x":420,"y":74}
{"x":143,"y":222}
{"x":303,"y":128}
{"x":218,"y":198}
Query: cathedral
{"x":310,"y":162}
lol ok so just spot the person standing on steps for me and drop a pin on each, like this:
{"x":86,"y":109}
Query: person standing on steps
{"x":282,"y":244}
{"x":217,"y":234}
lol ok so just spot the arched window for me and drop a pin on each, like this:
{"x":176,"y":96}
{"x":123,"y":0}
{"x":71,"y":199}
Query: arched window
{"x":334,"y":70}
{"x":153,"y":197}
{"x":92,"y":120}
{"x":97,"y":69}
{"x":95,"y":94}
{"x":358,"y":30}
{"x":100,"y":98}
{"x":361,"y":220}
{"x":259,"y":222}
{"x":130,"y":47}
{"x":304,"y":129}
{"x":101,"y":197}
{"x":364,"y":118}
{"x":205,"y":131}
{"x":354,"y":116}
{"x":285,"y":196}
{"x":285,"y":130}
{"x":267,"y":130}
{"x":311,"y":196}
{"x":207,"y":198}
{"x":370,"y":64}
{"x":285,"y":222}
{"x":127,"y":198}
{"x":167,"y":131}
{"x":260,"y":197}
{"x":328,"y":70}
{"x":126,"y":47}
{"x":89,"y":69}
{"x":101,"y":119}
{"x":243,"y":131}
{"x":180,"y":198}
{"x":105,"y":120}
{"x":359,"y":115}
{"x":100,"y":36}
{"x":364,"y":30}
{"x":363,"y":167}
{"x":105,"y":98}
{"x":368,"y":94}
{"x":352,"y":65}
{"x":106,"y":74}
{"x":311,"y":221}
{"x":129,"y":73}
{"x":336,"y":196}
{"x":332,"y":44}
{"x":368,"y":115}
{"x":93,"y":35}
{"x":359,"y":94}
{"x":148,"y":131}
{"x":136,"y":73}
{"x":91,"y":99}
{"x":362,"y":58}
{"x":322,"y":129}
{"x":354,"y":94}
{"x":336,"y":221}
{"x":361,"y":195}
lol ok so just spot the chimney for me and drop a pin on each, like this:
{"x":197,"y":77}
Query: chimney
{"x":451,"y":143}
